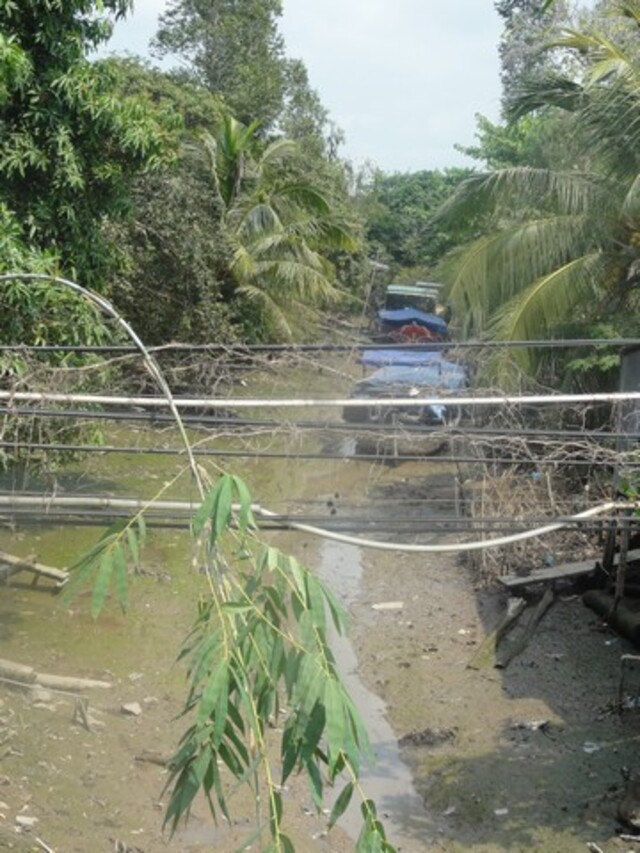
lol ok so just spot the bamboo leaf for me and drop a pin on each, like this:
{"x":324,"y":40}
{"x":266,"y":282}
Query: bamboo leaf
{"x":218,"y":681}
{"x":132,"y":541}
{"x":316,"y":600}
{"x":185,"y":788}
{"x":275,"y":812}
{"x":121,"y":575}
{"x":286,"y":845}
{"x":341,"y":804}
{"x":335,"y":718}
{"x":336,"y":610}
{"x":142,"y":531}
{"x":236,"y":607}
{"x":204,"y":512}
{"x":315,"y":780}
{"x":221,"y":512}
{"x":102,"y":583}
{"x":246,"y":520}
{"x":299,"y":577}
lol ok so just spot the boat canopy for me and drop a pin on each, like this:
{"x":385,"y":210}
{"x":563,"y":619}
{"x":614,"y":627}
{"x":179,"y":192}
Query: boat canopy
{"x":440,"y":374}
{"x":420,"y":288}
{"x":404,"y":316}
{"x":406,"y":357}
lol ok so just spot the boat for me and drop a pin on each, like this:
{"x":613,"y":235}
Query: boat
{"x":409,"y":325}
{"x":402,"y":357}
{"x":423,"y":374}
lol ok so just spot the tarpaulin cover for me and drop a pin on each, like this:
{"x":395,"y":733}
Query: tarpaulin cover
{"x":440,"y":374}
{"x":404,"y":316}
{"x":381,"y":357}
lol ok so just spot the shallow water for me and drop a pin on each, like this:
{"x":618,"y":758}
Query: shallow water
{"x":57,"y":636}
{"x":388,"y":781}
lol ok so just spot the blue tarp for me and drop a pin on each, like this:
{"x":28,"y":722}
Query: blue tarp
{"x":381,"y":357}
{"x":404,"y":316}
{"x":441,"y":374}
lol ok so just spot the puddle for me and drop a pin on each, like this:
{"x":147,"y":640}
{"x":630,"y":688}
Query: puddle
{"x":389,"y":782}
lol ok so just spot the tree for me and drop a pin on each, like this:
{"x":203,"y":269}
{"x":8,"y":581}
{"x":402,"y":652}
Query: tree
{"x":548,"y":140}
{"x":233,"y":49}
{"x":173,"y":254}
{"x":281,"y":228}
{"x":559,"y":246}
{"x":528,"y":27}
{"x":399,"y":210}
{"x":68,"y":147}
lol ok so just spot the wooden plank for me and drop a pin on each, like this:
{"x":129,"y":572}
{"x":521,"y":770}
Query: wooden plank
{"x":566,"y":570}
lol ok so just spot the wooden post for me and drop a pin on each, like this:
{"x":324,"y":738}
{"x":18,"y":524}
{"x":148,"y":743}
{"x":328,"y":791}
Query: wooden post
{"x":622,"y":560}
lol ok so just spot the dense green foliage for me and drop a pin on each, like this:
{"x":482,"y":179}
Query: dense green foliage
{"x":559,"y":246}
{"x":399,"y":210}
{"x":68,"y":148}
{"x":235,"y":50}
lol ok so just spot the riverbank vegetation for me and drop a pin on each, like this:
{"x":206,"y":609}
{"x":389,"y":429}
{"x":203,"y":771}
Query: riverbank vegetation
{"x":211,"y":204}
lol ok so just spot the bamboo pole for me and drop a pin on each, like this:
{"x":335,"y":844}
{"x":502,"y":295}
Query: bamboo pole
{"x":13,"y":564}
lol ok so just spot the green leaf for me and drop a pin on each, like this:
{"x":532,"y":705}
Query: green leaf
{"x":121,"y":575}
{"x":142,"y":531}
{"x":335,"y":718}
{"x":286,"y":845}
{"x":216,"y":686}
{"x":236,"y":607}
{"x":299,"y":577}
{"x":275,"y":812}
{"x":336,"y":609}
{"x":246,"y":520}
{"x":341,"y":804}
{"x":315,"y":780}
{"x":132,"y":541}
{"x":221,"y":512}
{"x":101,"y":585}
{"x":204,"y":512}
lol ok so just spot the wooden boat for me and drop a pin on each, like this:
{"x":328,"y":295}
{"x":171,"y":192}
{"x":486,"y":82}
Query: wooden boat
{"x":409,"y":325}
{"x":424,"y":374}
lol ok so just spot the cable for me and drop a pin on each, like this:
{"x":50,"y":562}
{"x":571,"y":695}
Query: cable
{"x":361,"y":542}
{"x":319,"y":402}
{"x":458,"y":547}
{"x":238,"y":349}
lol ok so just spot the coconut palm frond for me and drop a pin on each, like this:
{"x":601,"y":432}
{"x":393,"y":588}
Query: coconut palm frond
{"x":256,"y":219}
{"x":593,"y":44}
{"x":271,"y":309}
{"x":629,"y":9}
{"x":514,"y":190}
{"x":496,"y":268}
{"x":302,"y":282}
{"x":533,"y":314}
{"x":307,"y":197}
{"x":550,"y":91}
{"x":338,"y":235}
{"x":277,"y":152}
{"x":631,"y":203}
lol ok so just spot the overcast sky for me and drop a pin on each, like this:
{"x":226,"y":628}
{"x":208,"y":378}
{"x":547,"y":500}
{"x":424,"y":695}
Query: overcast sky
{"x":402,"y":78}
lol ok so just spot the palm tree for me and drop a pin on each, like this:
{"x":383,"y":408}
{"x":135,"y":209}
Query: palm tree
{"x":281,"y":229}
{"x":559,"y":247}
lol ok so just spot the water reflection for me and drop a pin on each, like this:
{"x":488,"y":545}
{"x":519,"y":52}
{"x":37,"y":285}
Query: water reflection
{"x":389,"y":782}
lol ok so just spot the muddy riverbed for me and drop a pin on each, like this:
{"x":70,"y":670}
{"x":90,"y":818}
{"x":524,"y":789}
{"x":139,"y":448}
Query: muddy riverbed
{"x":531,"y":757}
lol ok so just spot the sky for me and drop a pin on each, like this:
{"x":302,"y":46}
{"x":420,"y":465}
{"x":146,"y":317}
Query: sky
{"x":403,"y":79}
